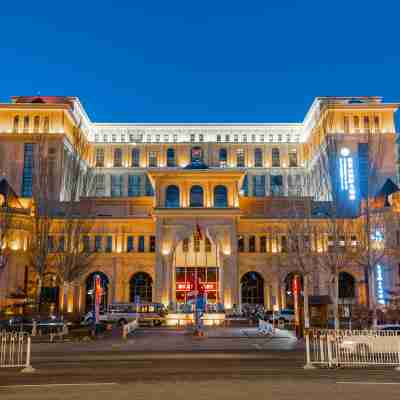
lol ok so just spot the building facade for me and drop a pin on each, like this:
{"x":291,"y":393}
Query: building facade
{"x":174,"y":203}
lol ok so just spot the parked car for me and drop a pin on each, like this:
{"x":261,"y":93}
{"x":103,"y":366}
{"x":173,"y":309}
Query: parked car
{"x":25,"y":324}
{"x":287,"y":316}
{"x":385,"y":339}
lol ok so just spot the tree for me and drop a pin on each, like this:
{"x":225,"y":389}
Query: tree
{"x":5,"y":225}
{"x":73,"y":257}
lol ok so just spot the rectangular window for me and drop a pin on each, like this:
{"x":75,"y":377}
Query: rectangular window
{"x":252,"y":244}
{"x":135,"y":158}
{"x":118,"y":158}
{"x":263,"y":244}
{"x":152,"y":244}
{"x":259,"y":185}
{"x":153,"y":159}
{"x":356,"y":123}
{"x":100,"y":184}
{"x":129,"y":245}
{"x":284,"y":245}
{"x":16,"y":124}
{"x":116,"y":185}
{"x":276,"y":185}
{"x":141,"y":244}
{"x":293,"y":158}
{"x":258,"y":158}
{"x":134,"y":185}
{"x":346,"y":125}
{"x":27,"y":171}
{"x":86,"y":243}
{"x":192,"y":138}
{"x":376,"y":123}
{"x":26,"y":124}
{"x":185,"y":245}
{"x":208,"y":245}
{"x":108,"y":244}
{"x":240,"y":158}
{"x":99,"y":157}
{"x":149,"y":187}
{"x":366,"y":125}
{"x":97,"y":243}
{"x":240,"y":244}
{"x":196,"y":243}
{"x":276,"y":158}
{"x":50,"y":244}
{"x":61,"y":244}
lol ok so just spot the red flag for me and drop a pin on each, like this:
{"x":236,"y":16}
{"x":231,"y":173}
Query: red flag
{"x":198,"y":231}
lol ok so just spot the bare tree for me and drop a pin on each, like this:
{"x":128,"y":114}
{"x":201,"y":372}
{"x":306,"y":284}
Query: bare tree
{"x":5,"y":226}
{"x":73,"y":256}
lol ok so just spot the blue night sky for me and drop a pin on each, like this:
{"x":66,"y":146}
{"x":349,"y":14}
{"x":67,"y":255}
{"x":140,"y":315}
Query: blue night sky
{"x":164,"y":61}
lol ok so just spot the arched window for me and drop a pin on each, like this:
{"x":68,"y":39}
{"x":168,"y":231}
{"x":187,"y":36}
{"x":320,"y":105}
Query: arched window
{"x":220,"y":196}
{"x":16,"y":124}
{"x":36,"y":124}
{"x":347,"y":286}
{"x":172,"y":197}
{"x":196,"y":196}
{"x":196,"y":156}
{"x":171,"y":158}
{"x":46,"y":124}
{"x":223,"y":157}
{"x":89,"y":290}
{"x":258,"y":158}
{"x":26,"y":123}
{"x":252,"y":288}
{"x":140,"y":288}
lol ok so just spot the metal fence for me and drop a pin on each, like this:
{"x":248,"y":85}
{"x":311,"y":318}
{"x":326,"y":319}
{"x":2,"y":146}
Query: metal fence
{"x":15,"y":351}
{"x":350,"y":348}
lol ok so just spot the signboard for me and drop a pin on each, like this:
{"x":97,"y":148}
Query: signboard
{"x":98,"y":291}
{"x":347,"y":174}
{"x":379,"y":283}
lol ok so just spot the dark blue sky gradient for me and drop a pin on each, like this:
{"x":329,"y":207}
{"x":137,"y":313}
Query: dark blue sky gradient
{"x":163,"y":61}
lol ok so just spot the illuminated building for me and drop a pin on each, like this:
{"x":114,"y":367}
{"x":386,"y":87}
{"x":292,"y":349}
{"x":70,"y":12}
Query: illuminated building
{"x":174,"y":201}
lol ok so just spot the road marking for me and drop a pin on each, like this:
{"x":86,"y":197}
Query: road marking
{"x":59,"y":384}
{"x":369,"y":383}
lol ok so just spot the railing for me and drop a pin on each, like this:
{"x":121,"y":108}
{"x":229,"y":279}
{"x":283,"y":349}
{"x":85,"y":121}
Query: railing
{"x":15,"y":351}
{"x":351,"y":348}
{"x":129,"y":328}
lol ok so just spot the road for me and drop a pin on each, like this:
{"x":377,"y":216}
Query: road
{"x":257,"y":370}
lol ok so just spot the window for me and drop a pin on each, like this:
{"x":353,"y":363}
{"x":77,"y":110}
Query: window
{"x":152,"y":244}
{"x":129,"y":244}
{"x":157,"y":138}
{"x":26,"y":124}
{"x":245,"y":186}
{"x":46,"y":125}
{"x":97,"y":244}
{"x":61,"y":244}
{"x":276,"y":185}
{"x":171,"y":158}
{"x":223,"y":156}
{"x":252,"y":244}
{"x":220,"y":197}
{"x":196,"y":156}
{"x":100,"y":185}
{"x":166,"y":138}
{"x":134,"y":185}
{"x":148,"y":187}
{"x":172,"y":197}
{"x":118,"y":157}
{"x":16,"y":124}
{"x":218,"y":138}
{"x":201,"y":138}
{"x":235,"y":138}
{"x":240,"y":244}
{"x":192,"y":138}
{"x":141,"y":244}
{"x":99,"y":157}
{"x":196,"y":243}
{"x":346,"y":125}
{"x":259,"y":185}
{"x":276,"y":157}
{"x":376,"y":123}
{"x":258,"y":158}
{"x":356,"y":122}
{"x":50,"y":244}
{"x":208,"y":245}
{"x":135,"y":158}
{"x":263,"y":244}
{"x":196,"y":196}
{"x":27,"y":171}
{"x":153,"y":159}
{"x":244,"y":138}
{"x":108,"y":244}
{"x":185,"y":245}
{"x":284,"y":244}
{"x":227,"y":138}
{"x":116,"y":185}
{"x":240,"y":158}
{"x":36,"y":124}
{"x":366,"y":125}
{"x":86,"y":244}
{"x":293,"y":158}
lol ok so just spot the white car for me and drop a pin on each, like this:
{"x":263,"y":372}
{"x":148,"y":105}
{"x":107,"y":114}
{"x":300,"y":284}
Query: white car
{"x":386,"y":339}
{"x":284,"y":315}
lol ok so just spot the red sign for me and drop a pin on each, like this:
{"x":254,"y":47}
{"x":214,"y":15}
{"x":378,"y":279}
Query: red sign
{"x":296,"y":285}
{"x":186,"y":287}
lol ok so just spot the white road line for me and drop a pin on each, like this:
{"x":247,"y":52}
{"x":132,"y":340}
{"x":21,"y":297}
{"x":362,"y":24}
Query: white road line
{"x":368,"y":383}
{"x":59,"y":384}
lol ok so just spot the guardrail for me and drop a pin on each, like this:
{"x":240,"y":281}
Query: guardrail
{"x":15,"y":351}
{"x":129,"y":328}
{"x":350,"y":348}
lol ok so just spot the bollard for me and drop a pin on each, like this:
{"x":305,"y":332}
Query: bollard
{"x":28,"y":367}
{"x":308,"y":355}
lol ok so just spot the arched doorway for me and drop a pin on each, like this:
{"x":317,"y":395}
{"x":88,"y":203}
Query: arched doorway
{"x":252,"y":288}
{"x":289,"y":295}
{"x":104,"y":281}
{"x":141,"y":288}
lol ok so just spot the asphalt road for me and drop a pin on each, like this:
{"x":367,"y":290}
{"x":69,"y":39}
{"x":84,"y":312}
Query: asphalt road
{"x":124,"y":370}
